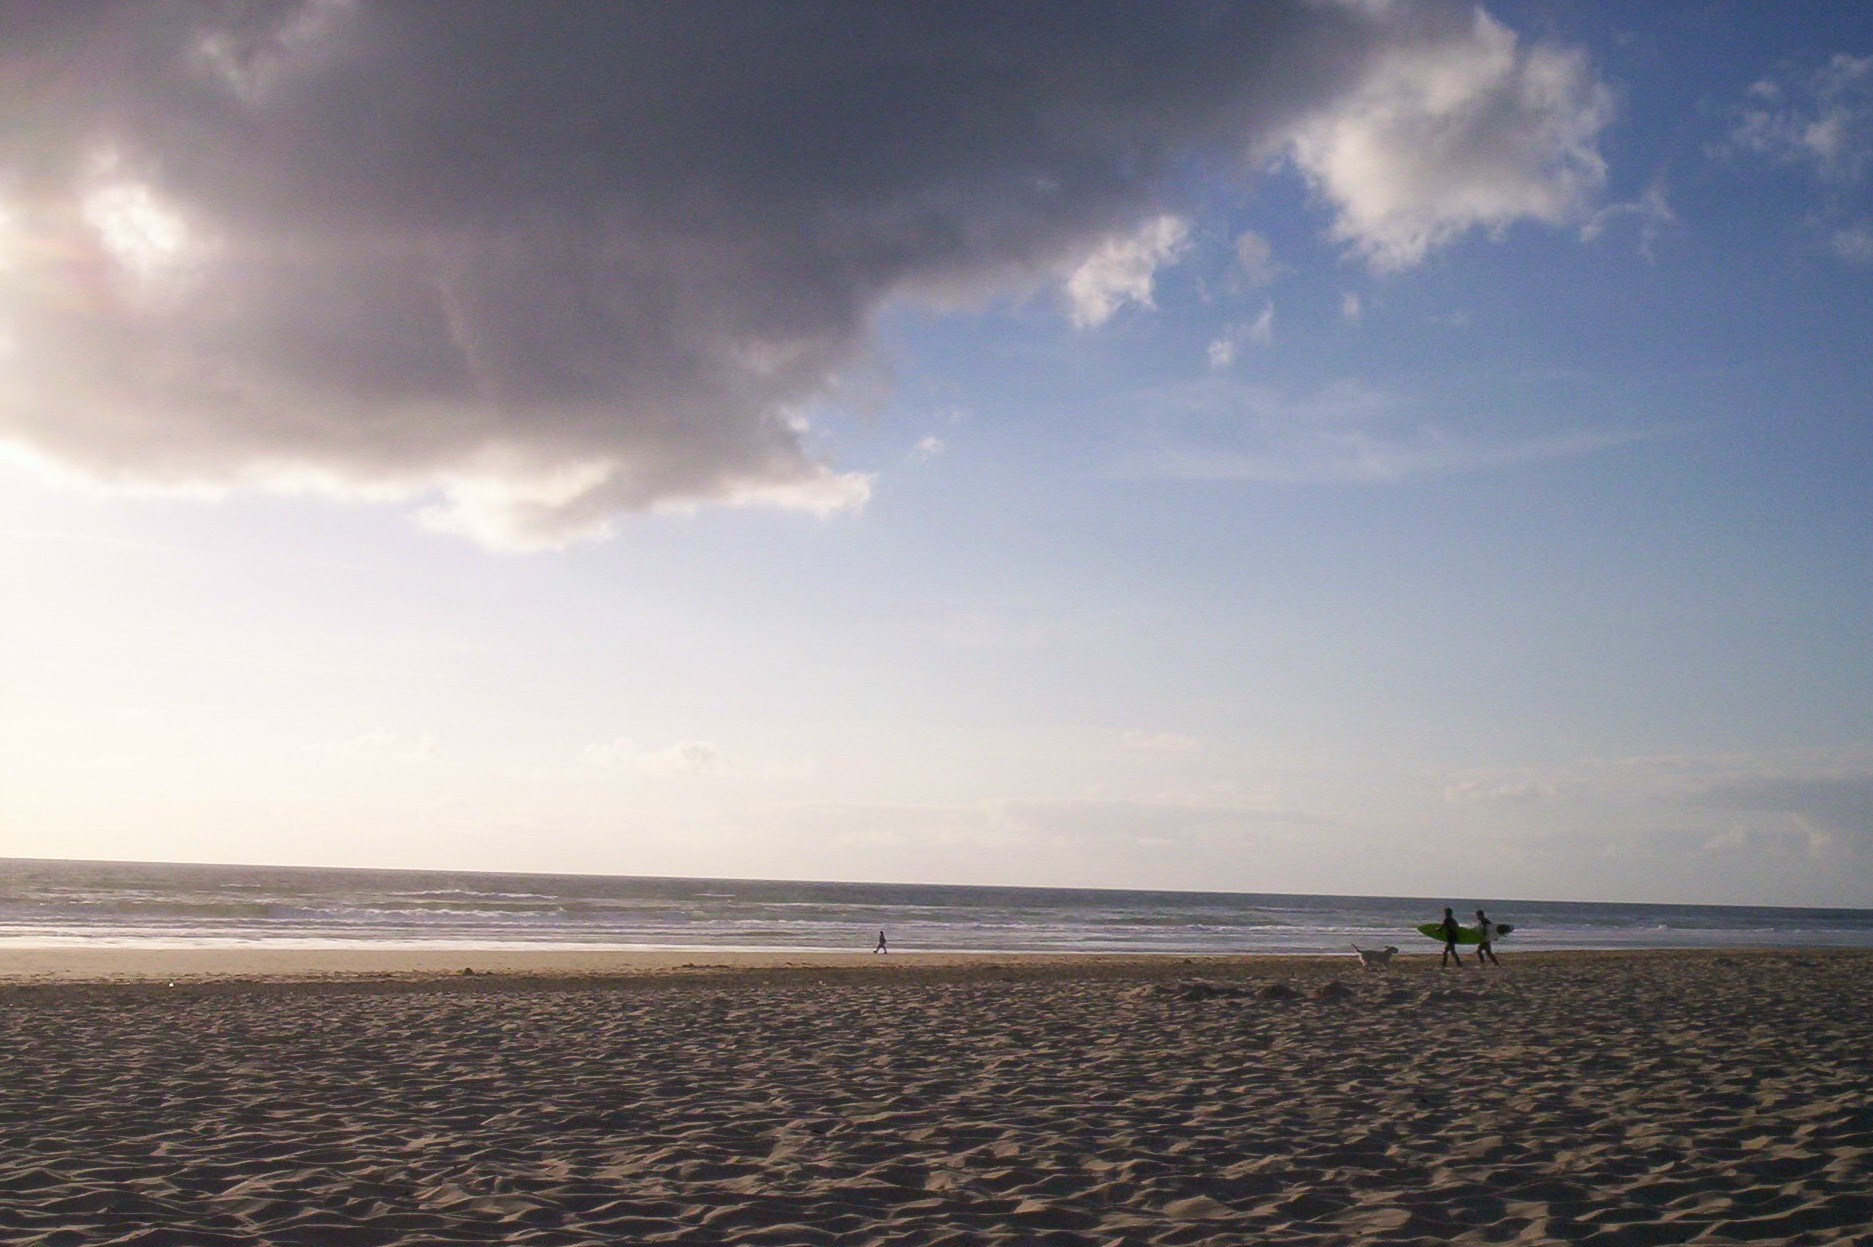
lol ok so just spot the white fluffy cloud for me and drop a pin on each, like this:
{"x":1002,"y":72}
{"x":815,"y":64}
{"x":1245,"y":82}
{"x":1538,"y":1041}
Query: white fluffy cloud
{"x":1454,"y":133}
{"x":538,"y":267}
{"x":1123,"y":270}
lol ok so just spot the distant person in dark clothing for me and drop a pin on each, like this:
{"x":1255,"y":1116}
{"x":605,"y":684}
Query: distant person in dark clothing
{"x":882,"y":947}
{"x":1487,"y":930}
{"x":1450,"y":939}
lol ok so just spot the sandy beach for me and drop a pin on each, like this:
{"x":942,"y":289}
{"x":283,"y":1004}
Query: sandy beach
{"x":1611,"y":1098}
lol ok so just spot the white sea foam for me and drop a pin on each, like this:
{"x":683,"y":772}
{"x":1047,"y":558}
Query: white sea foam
{"x":60,"y":904}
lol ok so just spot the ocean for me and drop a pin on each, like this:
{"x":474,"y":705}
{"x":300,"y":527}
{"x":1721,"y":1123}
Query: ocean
{"x":126,"y":904}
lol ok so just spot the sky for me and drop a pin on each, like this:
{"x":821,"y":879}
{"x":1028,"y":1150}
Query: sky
{"x":1333,"y":447}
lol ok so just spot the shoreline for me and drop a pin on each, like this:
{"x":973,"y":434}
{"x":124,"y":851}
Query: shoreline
{"x":482,"y":969}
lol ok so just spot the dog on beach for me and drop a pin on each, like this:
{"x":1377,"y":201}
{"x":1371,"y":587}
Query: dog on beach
{"x":1376,"y":958}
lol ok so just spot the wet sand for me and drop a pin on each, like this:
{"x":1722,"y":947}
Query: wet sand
{"x":1613,"y":1098}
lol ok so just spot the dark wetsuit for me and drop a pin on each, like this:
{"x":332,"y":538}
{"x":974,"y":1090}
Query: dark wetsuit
{"x":1451,"y":928}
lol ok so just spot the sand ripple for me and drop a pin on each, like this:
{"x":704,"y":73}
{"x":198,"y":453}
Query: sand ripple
{"x":1623,"y":1101}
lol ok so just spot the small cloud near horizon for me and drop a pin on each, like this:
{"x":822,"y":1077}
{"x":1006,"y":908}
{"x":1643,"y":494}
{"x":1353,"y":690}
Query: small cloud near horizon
{"x":381,"y":745}
{"x":1159,"y":742}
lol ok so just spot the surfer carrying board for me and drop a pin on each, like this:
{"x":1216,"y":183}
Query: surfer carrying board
{"x":1486,"y":929}
{"x":1452,"y":932}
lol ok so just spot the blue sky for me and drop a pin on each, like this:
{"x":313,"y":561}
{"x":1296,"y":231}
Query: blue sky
{"x":1332,"y":448}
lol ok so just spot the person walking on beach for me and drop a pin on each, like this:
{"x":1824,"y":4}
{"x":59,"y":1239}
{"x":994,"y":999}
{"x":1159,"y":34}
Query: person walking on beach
{"x":1450,"y":939}
{"x":882,"y":947}
{"x":1486,"y":929}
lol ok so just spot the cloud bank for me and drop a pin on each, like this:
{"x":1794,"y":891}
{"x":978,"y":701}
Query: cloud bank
{"x":1826,"y":794}
{"x":539,"y":267}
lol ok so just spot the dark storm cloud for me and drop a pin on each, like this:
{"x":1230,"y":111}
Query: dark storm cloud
{"x":555,"y":262}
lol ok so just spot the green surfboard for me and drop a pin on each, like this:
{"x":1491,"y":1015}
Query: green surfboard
{"x":1465,"y":935}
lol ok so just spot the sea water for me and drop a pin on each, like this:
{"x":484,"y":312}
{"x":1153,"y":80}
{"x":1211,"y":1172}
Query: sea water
{"x":53,"y":903}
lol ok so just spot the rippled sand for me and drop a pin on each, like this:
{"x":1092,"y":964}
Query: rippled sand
{"x":1610,"y":1099}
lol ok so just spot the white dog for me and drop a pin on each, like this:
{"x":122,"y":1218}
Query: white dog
{"x":1376,"y":958}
